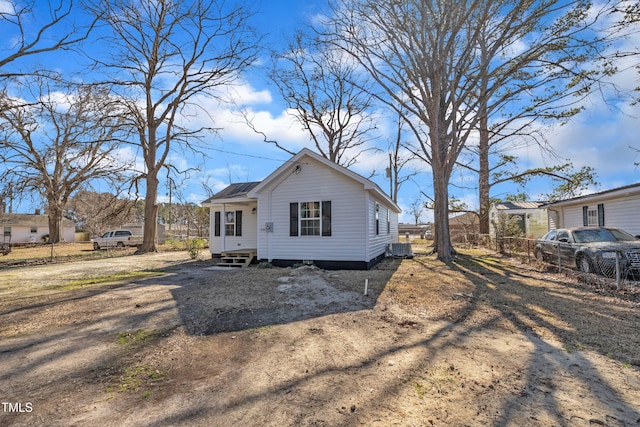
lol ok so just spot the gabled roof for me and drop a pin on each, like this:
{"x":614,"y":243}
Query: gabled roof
{"x":466,"y":218}
{"x":29,"y":220}
{"x":233,"y":191}
{"x":624,"y":191}
{"x":305,"y":152}
{"x":518,"y":205}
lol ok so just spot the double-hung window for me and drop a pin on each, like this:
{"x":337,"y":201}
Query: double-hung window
{"x":310,"y":218}
{"x":232,"y":223}
{"x":593,"y":216}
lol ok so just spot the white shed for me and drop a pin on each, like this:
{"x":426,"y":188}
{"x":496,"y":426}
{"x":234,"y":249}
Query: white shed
{"x":309,"y":210}
{"x":530,"y":217}
{"x":618,"y":208}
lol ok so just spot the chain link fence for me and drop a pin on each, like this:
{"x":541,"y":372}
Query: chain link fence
{"x":610,"y":264}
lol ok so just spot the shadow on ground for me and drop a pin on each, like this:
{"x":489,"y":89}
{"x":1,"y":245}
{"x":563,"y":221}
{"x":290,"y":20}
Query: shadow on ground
{"x":213,"y":301}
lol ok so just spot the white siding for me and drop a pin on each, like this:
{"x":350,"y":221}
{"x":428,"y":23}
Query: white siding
{"x":619,"y":212}
{"x":314,"y":182}
{"x":248,"y":240}
{"x":571,"y":217}
{"x":623,"y":213}
{"x":378,"y":242}
{"x":23,"y":234}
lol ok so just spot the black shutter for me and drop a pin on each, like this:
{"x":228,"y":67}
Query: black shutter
{"x":216,"y":223}
{"x":326,"y":218}
{"x":601,"y":215}
{"x":293,"y":219}
{"x":585,"y":215}
{"x":238,"y":223}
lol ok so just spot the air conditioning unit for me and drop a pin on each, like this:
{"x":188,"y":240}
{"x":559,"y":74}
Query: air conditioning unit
{"x":400,"y":250}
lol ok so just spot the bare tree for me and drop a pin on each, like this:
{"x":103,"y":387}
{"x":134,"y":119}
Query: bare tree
{"x":96,"y":213}
{"x":399,"y":159}
{"x":426,"y":57}
{"x":57,"y":32}
{"x":317,"y":82}
{"x":64,"y":138}
{"x":518,"y":89}
{"x":421,"y":56}
{"x":416,"y":209}
{"x":164,"y":56}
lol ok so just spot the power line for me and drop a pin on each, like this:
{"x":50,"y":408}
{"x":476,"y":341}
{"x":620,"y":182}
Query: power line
{"x":247,"y":155}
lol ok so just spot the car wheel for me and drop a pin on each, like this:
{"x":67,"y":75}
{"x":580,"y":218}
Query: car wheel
{"x":96,"y":246}
{"x":120,"y":245}
{"x":584,"y":264}
{"x":539,"y":256}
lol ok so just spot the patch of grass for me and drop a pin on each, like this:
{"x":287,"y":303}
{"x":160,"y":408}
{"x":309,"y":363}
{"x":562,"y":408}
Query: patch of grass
{"x":138,"y":376}
{"x":261,"y":329}
{"x":136,"y":339}
{"x":434,"y":380}
{"x":420,"y":389}
{"x":97,"y":280}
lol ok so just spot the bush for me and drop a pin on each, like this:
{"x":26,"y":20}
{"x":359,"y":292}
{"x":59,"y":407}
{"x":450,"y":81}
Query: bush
{"x":194,"y":246}
{"x":176,"y":245}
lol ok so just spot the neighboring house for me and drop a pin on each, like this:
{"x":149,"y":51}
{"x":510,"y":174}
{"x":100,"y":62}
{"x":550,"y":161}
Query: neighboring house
{"x":415,"y":231}
{"x":28,"y":228}
{"x":529,"y":217}
{"x":618,"y":207}
{"x":464,"y":228}
{"x":309,"y":210}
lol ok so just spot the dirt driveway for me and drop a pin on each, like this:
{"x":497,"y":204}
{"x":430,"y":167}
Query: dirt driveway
{"x":161,"y":340}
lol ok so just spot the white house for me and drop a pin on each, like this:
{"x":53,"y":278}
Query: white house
{"x":530,"y":217}
{"x":27,"y":228}
{"x":309,"y":210}
{"x":618,"y":207}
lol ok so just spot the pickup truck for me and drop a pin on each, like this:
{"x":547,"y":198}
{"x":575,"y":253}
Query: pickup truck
{"x":117,"y":239}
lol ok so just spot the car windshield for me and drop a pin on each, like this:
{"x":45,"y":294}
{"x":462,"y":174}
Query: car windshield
{"x":602,"y":235}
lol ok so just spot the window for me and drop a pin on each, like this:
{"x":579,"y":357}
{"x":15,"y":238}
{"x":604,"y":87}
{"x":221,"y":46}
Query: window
{"x":310,"y":218}
{"x":7,"y":231}
{"x":388,"y":221}
{"x":377,"y":219}
{"x":34,"y":229}
{"x":593,"y":216}
{"x":232,"y":223}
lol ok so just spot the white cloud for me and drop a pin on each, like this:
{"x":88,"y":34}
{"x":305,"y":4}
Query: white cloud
{"x":7,"y":7}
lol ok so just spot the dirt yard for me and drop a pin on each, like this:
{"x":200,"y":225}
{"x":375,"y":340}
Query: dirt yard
{"x":162,"y":340}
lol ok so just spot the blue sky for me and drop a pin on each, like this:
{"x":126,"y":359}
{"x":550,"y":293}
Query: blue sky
{"x":601,"y":137}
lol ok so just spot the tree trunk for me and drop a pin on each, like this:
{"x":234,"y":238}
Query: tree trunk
{"x":55,"y":218}
{"x":150,"y":215}
{"x":443,"y":245}
{"x":483,"y":178}
{"x":441,"y":175}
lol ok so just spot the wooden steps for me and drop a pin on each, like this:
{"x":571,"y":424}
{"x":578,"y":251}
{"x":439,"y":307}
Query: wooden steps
{"x":238,"y":258}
